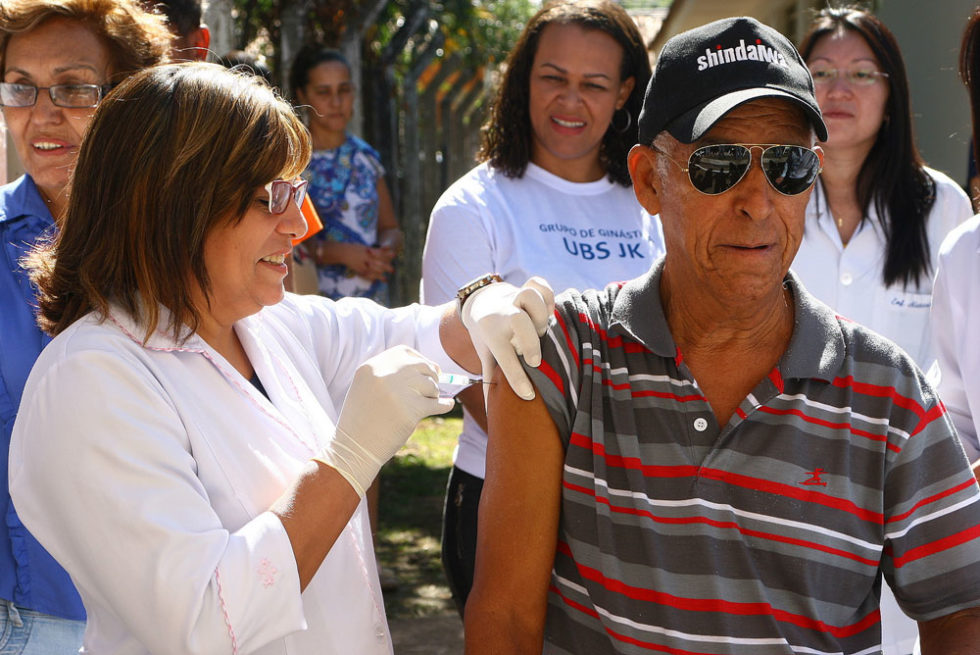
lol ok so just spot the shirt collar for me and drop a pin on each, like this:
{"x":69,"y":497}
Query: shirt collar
{"x":816,"y":348}
{"x":21,"y":198}
{"x":161,"y":339}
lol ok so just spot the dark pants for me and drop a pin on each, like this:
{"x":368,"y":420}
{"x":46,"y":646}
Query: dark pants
{"x":459,"y":522}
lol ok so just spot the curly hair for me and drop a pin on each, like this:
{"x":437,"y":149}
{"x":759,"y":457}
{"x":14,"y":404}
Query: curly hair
{"x":135,"y":38}
{"x":893,"y":176}
{"x":507,"y":133}
{"x":174,"y":152}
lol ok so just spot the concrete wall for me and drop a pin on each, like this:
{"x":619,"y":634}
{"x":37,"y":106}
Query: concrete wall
{"x":929,"y":34}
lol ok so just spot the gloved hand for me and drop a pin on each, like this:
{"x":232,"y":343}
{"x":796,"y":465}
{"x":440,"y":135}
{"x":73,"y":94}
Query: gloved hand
{"x":390,"y":394}
{"x":505,"y":321}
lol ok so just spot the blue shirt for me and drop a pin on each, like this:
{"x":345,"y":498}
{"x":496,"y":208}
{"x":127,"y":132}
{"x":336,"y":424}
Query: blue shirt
{"x":29,"y":576}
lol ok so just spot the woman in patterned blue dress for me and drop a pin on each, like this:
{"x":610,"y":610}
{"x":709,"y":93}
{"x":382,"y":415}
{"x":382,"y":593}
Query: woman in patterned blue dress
{"x":355,"y":250}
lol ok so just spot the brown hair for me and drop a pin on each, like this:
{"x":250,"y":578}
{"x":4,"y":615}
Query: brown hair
{"x":172,"y":153}
{"x":506,"y":135}
{"x":135,"y":38}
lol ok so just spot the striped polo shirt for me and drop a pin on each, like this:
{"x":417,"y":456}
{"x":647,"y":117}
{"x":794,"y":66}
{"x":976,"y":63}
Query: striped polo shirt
{"x":771,"y":534}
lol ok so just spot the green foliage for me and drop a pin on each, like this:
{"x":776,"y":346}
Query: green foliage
{"x":481,"y":30}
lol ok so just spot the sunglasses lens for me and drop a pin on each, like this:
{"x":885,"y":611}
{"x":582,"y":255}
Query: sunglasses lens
{"x":790,"y":169}
{"x":716,"y":169}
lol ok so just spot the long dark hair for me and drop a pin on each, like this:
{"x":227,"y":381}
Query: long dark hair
{"x":506,"y":135}
{"x":893,"y":174}
{"x":970,"y":72}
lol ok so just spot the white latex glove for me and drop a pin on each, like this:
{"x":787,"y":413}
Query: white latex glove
{"x":390,"y":394}
{"x":505,"y":321}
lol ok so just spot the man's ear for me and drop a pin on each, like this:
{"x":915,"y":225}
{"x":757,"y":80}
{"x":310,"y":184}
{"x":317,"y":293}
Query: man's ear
{"x":646,"y":179}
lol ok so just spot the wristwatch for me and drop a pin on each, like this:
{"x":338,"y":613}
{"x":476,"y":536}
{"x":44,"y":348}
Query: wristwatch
{"x":471,"y":287}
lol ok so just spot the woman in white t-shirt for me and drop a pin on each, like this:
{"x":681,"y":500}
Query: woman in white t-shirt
{"x":878,"y":214}
{"x":552,"y":197}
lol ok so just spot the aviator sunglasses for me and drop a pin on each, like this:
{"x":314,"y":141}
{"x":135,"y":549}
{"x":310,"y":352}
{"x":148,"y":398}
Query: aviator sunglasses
{"x":714,"y":169}
{"x":280,"y":191}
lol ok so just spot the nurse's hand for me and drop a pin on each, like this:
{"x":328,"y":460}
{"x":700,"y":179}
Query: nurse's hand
{"x":505,"y":321}
{"x":390,"y":394}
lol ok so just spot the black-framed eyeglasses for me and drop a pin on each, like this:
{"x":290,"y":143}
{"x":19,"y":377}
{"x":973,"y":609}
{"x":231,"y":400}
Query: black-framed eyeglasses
{"x":73,"y":96}
{"x":280,"y":191}
{"x":714,"y":169}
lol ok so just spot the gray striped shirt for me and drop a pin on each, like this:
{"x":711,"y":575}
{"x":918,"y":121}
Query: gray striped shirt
{"x":770,"y":534}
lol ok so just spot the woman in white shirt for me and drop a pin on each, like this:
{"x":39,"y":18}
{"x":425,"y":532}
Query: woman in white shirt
{"x":878,"y":214}
{"x":194,"y":444}
{"x":956,"y":306}
{"x":552,"y":197}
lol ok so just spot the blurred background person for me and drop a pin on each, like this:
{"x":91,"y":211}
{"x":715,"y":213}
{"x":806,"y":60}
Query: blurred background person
{"x":58,"y":60}
{"x":354,"y":253}
{"x":878,"y":214}
{"x":215,"y":503}
{"x":186,"y":21}
{"x":956,"y":297}
{"x":552,"y":197}
{"x":247,"y":62}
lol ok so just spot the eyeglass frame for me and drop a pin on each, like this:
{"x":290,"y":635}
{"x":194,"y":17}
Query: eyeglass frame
{"x":103,"y":89}
{"x":750,"y":147}
{"x":835,"y":73}
{"x":297,"y":193}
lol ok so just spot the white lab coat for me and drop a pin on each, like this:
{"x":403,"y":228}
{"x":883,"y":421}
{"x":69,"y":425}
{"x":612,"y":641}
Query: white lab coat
{"x":849,"y":279}
{"x":147,"y":472}
{"x":955,"y":317}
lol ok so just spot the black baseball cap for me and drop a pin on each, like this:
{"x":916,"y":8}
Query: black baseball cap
{"x":704,"y":73}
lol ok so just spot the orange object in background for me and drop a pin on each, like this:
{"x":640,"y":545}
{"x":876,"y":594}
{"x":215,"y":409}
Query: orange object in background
{"x":313,"y":222}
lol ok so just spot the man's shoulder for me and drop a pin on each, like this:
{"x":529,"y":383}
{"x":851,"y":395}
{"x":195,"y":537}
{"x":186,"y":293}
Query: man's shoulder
{"x":596,"y":304}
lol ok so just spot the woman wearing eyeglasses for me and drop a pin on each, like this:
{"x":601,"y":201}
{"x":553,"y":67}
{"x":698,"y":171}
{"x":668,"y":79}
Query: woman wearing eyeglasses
{"x":57,"y":58}
{"x":878,"y":214}
{"x":194,"y":444}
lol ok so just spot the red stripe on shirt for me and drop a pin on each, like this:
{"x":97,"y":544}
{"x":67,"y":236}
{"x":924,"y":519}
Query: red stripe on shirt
{"x":937,"y":546}
{"x":723,"y":525}
{"x":878,"y":391}
{"x":717,"y":605}
{"x":552,"y":375}
{"x":568,"y":338}
{"x":829,"y":424}
{"x":744,"y":481}
{"x":931,"y":499}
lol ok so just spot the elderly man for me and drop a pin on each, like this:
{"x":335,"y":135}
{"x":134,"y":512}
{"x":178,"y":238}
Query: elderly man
{"x":716,"y":463}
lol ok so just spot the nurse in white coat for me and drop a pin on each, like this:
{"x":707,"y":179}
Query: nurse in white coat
{"x":956,"y":297}
{"x":194,"y":446}
{"x":877,"y":214}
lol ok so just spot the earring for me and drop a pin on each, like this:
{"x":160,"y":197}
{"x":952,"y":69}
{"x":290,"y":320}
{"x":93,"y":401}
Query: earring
{"x":629,"y":121}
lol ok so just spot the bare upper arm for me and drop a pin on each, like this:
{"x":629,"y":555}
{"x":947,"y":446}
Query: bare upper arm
{"x":954,"y":634}
{"x":518,"y":524}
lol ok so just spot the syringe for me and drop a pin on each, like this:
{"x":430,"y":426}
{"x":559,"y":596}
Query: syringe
{"x":451,"y":384}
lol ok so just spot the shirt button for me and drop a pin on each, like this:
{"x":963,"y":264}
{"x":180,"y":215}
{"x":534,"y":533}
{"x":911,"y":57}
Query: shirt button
{"x":846,"y":279}
{"x":700,"y":424}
